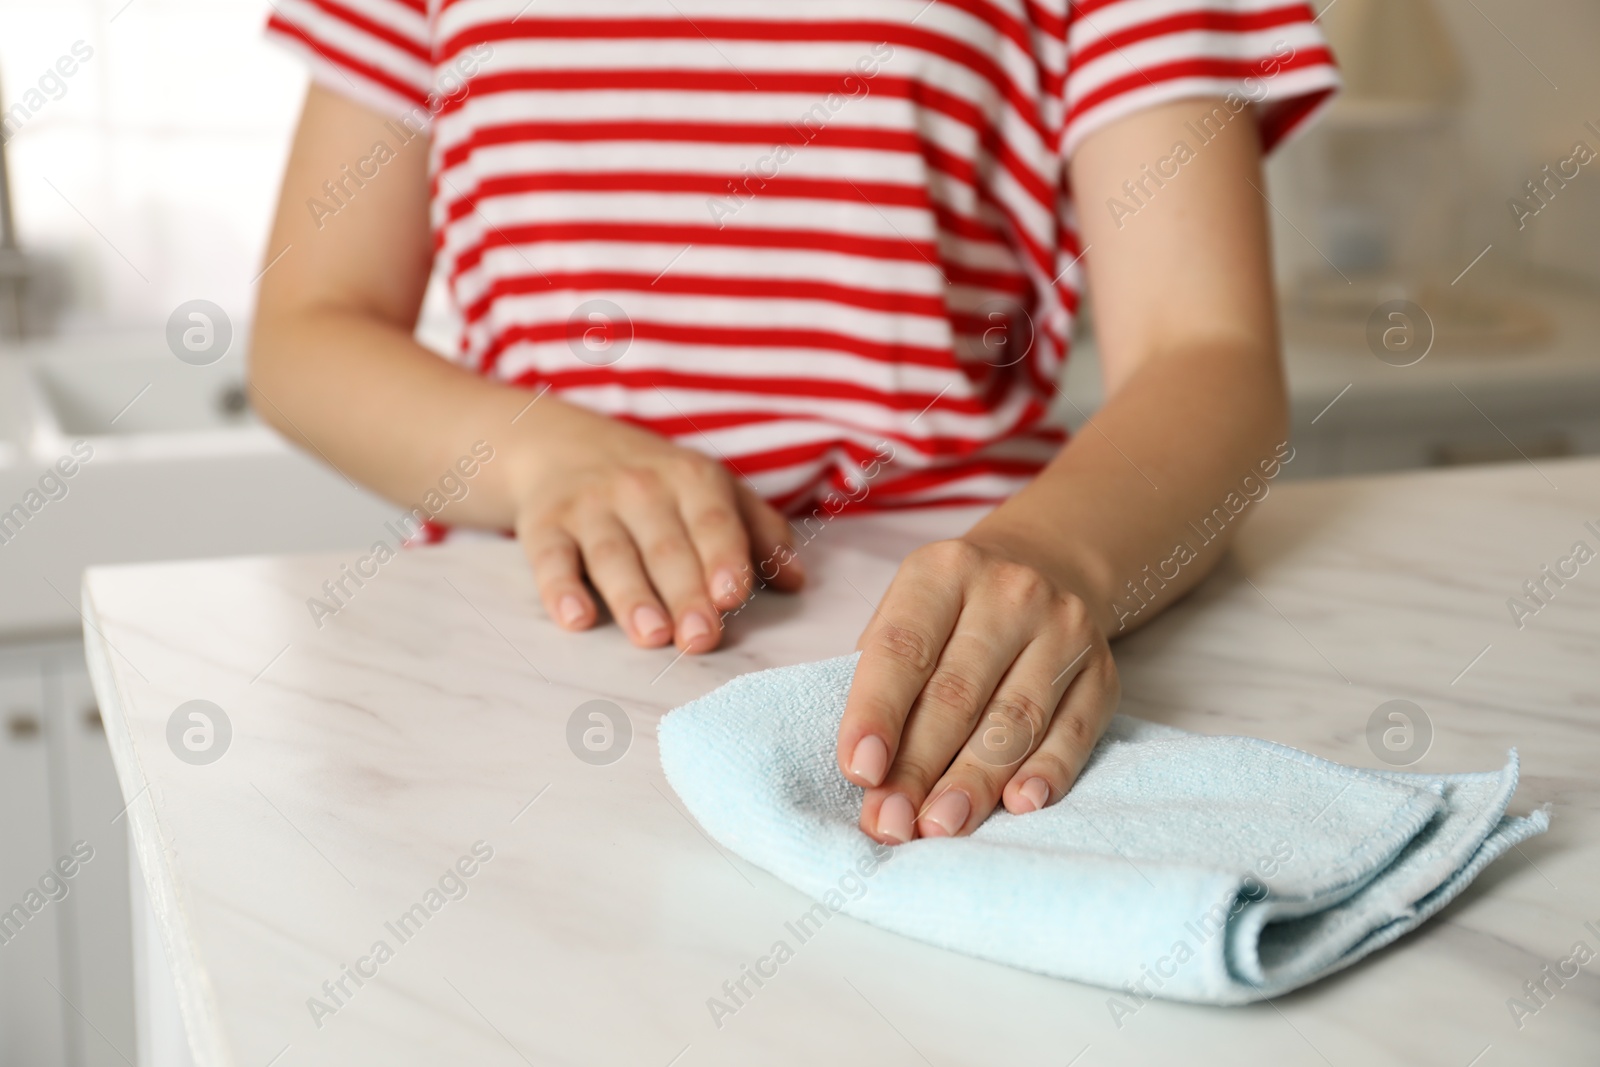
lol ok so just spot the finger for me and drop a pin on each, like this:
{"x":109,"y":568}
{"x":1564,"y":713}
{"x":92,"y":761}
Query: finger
{"x":899,"y":649}
{"x":978,"y":654}
{"x":649,"y":511}
{"x":1011,"y":726}
{"x":709,"y":507}
{"x":772,"y":550}
{"x":558,"y":572}
{"x":614,"y":567}
{"x":1049,"y":772}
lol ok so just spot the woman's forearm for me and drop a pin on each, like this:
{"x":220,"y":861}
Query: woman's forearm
{"x":1142,"y":502}
{"x":333,"y":364}
{"x":363,"y":395}
{"x":1152,"y":490}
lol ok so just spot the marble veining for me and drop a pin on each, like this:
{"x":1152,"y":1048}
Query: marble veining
{"x":427,"y":722}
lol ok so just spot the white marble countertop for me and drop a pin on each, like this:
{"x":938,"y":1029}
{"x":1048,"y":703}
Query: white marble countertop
{"x":431,"y":714}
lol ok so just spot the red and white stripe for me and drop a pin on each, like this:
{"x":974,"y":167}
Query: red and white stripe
{"x":840,"y":310}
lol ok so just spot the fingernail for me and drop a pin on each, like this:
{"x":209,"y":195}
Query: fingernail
{"x":947,"y":815}
{"x":648,"y":621}
{"x":695,"y":627}
{"x":724,"y":586}
{"x":1035,"y":791}
{"x":894,"y":819}
{"x":794,"y":565}
{"x":870,"y":760}
{"x":571,"y":610}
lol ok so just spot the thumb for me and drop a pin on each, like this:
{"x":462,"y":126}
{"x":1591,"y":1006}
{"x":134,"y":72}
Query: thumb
{"x":771,"y":543}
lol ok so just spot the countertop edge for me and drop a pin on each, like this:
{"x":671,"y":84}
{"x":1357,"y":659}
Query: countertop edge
{"x":195,"y":995}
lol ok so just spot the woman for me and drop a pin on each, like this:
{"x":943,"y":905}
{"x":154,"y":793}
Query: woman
{"x":719,"y":261}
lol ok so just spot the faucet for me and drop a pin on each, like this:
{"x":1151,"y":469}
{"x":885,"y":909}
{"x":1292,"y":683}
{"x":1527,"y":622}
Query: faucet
{"x":15,"y":267}
{"x":13,"y":272}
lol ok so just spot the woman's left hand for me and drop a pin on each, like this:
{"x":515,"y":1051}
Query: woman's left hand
{"x":983,"y":678}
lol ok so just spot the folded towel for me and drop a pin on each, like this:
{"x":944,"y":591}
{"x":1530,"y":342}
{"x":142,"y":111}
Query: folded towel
{"x":1221,"y":870}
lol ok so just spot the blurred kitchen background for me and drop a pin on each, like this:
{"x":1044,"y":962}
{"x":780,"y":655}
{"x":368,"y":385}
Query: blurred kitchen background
{"x":1428,"y":321}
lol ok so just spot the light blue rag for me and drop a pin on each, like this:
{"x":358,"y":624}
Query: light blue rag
{"x":1221,"y":870}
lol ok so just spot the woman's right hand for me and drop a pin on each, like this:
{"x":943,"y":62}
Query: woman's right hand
{"x":667,"y":536}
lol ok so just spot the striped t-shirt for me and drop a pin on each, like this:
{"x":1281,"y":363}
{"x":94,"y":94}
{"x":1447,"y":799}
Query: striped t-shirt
{"x":830,"y":242}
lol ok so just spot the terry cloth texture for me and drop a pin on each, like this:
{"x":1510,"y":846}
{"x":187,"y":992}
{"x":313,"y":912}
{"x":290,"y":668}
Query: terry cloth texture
{"x":1219,"y":870}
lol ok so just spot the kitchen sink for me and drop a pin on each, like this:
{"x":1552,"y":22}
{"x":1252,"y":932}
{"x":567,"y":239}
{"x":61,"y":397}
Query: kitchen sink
{"x":131,"y":398}
{"x":168,"y":463}
{"x":104,"y":395}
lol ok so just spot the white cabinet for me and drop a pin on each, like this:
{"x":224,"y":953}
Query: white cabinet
{"x":31,"y":1012}
{"x":66,"y":995}
{"x":88,"y":806}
